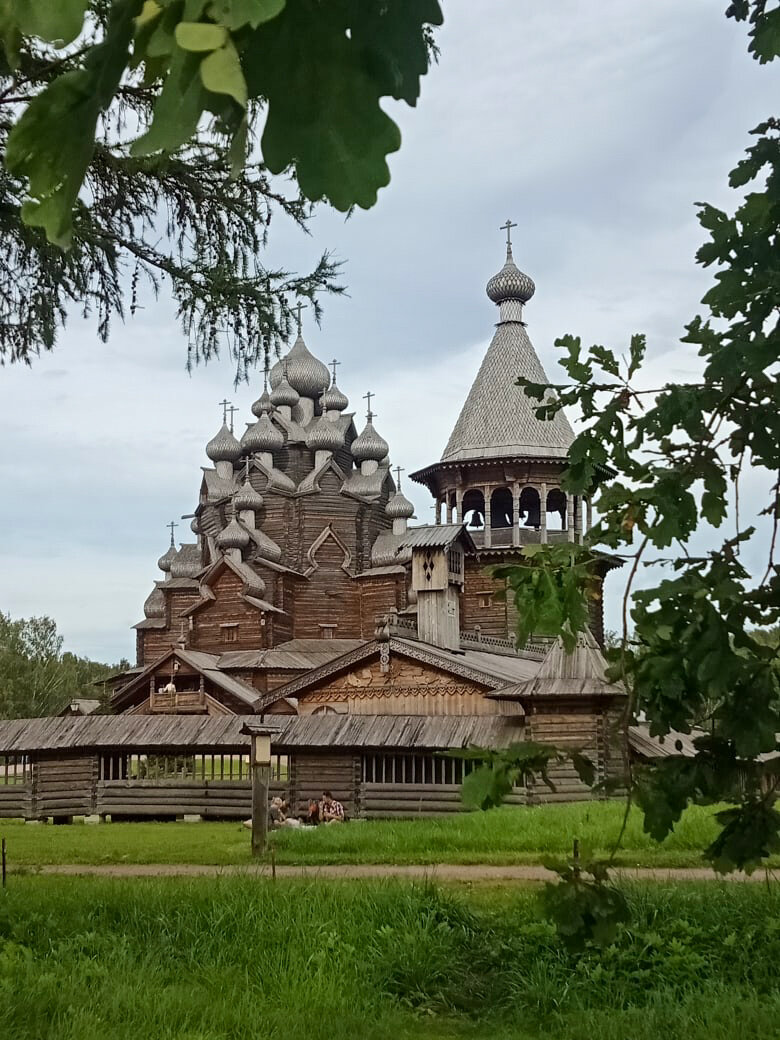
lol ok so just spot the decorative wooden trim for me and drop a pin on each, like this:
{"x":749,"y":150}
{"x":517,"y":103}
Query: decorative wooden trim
{"x":322,"y":537}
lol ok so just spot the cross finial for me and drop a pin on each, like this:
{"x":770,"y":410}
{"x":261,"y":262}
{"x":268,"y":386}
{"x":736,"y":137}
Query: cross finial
{"x":299,"y":307}
{"x":225,"y":404}
{"x":246,"y":467}
{"x":333,"y":365}
{"x":369,"y":413}
{"x":173,"y":527}
{"x":398,"y":471}
{"x":232,"y":409}
{"x":508,"y":228}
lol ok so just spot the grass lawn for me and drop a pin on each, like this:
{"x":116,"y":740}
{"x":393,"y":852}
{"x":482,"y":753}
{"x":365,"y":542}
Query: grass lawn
{"x":234,"y":959}
{"x":501,"y":836}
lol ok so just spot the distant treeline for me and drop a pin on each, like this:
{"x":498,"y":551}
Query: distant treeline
{"x":36,"y":676}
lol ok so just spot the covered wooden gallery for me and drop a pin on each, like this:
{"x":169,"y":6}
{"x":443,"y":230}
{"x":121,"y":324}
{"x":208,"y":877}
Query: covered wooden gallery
{"x":174,"y":766}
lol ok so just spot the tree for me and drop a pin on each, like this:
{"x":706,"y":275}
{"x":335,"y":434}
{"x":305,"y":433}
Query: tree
{"x":36,"y":677}
{"x":130,"y":130}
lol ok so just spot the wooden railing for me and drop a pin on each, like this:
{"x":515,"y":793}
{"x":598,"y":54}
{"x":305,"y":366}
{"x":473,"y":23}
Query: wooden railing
{"x":182,"y":701}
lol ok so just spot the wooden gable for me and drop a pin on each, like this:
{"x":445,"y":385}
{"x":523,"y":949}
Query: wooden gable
{"x":398,"y":686}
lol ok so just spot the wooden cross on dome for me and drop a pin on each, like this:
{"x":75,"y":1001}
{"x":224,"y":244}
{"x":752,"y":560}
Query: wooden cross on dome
{"x":232,"y":409}
{"x":369,"y":414}
{"x":225,"y":404}
{"x":173,"y":527}
{"x":298,"y":308}
{"x":398,"y":471}
{"x":508,"y":228}
{"x":333,"y":365}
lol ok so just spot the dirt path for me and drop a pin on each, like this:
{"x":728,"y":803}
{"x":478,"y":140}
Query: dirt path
{"x":436,"y":872}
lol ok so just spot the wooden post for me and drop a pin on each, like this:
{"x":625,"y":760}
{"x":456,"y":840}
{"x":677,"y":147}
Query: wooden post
{"x":3,"y":857}
{"x":261,"y":779}
{"x":543,"y":514}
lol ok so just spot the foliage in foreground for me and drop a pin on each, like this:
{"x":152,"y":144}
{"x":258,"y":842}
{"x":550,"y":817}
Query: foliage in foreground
{"x":36,"y":676}
{"x":213,"y":959}
{"x":130,"y":135}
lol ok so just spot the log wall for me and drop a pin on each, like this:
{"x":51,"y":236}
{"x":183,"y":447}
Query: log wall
{"x":310,"y":775}
{"x":15,"y":801}
{"x":63,"y":785}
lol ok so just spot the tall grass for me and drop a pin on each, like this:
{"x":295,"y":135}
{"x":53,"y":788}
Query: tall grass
{"x":507,"y":835}
{"x":233,"y":959}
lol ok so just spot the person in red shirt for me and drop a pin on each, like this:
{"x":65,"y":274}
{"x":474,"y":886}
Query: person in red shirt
{"x":331,"y":811}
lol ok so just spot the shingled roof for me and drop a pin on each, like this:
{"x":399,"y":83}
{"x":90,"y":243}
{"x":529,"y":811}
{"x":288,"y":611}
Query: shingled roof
{"x":498,"y":419}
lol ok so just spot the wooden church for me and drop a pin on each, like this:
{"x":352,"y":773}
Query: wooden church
{"x":307,"y":590}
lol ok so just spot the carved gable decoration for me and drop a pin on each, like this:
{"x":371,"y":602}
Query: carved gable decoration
{"x":402,"y":686}
{"x":319,"y":547}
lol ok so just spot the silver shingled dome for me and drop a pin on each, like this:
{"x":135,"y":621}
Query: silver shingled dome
{"x":247,"y":498}
{"x":333,"y":399}
{"x":224,"y":447}
{"x":234,"y":536}
{"x":262,"y":436}
{"x":283,"y":394}
{"x":323,"y":435}
{"x":305,"y":372}
{"x":369,"y":445}
{"x":262,"y":404}
{"x":510,"y":283}
{"x":155,"y":604}
{"x":399,"y":507}
{"x":165,"y":561}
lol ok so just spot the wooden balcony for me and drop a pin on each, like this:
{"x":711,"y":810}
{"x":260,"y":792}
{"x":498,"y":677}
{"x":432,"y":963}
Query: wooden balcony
{"x":183,"y":702}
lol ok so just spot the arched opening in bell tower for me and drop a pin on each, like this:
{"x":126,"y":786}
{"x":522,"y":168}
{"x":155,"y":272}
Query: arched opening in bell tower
{"x":501,"y":508}
{"x":556,"y":510}
{"x":474,"y":510}
{"x":529,"y":508}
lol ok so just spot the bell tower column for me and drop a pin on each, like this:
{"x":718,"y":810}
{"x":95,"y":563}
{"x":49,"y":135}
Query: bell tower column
{"x":487,"y":541}
{"x":515,"y":513}
{"x":543,"y":513}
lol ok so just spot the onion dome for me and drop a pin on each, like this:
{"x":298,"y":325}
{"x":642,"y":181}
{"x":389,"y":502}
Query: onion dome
{"x":510,"y":283}
{"x":267,"y":549}
{"x":333,"y":400}
{"x":262,"y":404}
{"x":165,"y":561}
{"x":155,"y":605}
{"x":195,"y":525}
{"x":305,"y":372}
{"x":262,"y":436}
{"x":247,"y":498}
{"x":234,"y":536}
{"x":187,"y":563}
{"x":324,"y":435}
{"x":283,"y":393}
{"x":369,"y":445}
{"x":224,"y":447}
{"x":399,"y":507}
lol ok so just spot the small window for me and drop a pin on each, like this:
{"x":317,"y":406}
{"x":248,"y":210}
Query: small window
{"x":229,"y":633}
{"x":485,"y":602}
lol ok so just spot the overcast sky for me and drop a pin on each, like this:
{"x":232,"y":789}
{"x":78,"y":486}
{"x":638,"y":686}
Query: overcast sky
{"x":595,"y":127}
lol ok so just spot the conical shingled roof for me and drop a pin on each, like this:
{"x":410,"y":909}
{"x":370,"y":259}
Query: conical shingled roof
{"x":498,"y":419}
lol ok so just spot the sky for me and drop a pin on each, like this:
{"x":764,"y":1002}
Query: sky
{"x":595,"y":127}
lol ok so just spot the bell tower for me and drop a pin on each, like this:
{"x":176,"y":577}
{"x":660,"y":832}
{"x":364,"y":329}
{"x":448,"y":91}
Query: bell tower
{"x":500,"y":472}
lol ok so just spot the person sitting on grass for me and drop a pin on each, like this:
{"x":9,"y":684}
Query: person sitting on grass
{"x":331,"y":811}
{"x":312,"y":817}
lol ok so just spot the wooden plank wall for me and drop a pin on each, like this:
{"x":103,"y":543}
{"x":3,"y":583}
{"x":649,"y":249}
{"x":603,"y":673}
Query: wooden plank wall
{"x":15,"y":801}
{"x":340,"y":774}
{"x":583,"y":731}
{"x":63,"y":785}
{"x":398,"y":801}
{"x":211,"y":799}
